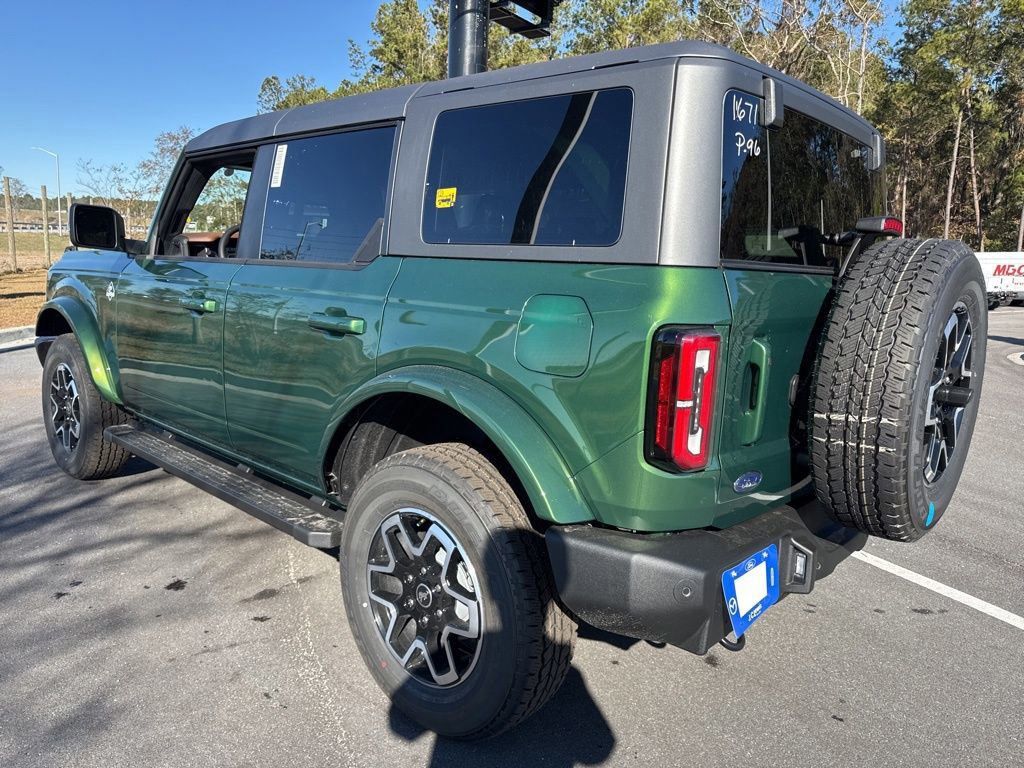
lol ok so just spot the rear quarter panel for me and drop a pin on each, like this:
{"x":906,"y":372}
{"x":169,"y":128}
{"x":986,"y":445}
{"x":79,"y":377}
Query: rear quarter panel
{"x":466,"y":315}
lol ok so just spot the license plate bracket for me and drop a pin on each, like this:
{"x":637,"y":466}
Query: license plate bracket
{"x":751,"y":587}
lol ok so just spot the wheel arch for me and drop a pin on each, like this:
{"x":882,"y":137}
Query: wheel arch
{"x":68,"y":314}
{"x":539,"y":471}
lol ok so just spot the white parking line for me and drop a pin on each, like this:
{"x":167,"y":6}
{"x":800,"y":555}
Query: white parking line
{"x":953,"y":594}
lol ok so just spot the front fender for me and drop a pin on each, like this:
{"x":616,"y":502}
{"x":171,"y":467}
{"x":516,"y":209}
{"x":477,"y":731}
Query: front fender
{"x":83,"y":325}
{"x":527,"y":448}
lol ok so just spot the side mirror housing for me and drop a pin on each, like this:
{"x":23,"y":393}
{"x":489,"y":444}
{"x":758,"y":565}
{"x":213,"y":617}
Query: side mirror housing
{"x":96,"y":226}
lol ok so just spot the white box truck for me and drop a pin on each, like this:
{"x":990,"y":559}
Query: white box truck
{"x":1004,"y":277}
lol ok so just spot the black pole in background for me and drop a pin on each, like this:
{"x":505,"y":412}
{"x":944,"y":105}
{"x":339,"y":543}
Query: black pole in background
{"x":467,"y":37}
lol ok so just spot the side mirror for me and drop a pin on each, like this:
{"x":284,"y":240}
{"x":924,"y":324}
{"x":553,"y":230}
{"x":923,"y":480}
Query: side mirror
{"x":96,"y":226}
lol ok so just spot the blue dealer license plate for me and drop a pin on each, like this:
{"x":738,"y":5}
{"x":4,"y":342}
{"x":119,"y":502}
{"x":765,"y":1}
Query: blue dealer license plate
{"x":751,"y":587}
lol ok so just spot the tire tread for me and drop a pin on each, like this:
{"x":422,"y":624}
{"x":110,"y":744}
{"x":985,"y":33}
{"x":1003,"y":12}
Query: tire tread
{"x":864,"y":381}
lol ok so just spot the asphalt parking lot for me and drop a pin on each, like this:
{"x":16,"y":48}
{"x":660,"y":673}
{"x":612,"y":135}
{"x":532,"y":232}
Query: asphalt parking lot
{"x":144,"y":623}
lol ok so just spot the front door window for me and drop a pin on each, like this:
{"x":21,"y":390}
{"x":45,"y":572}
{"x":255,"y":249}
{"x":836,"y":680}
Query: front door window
{"x":220,"y":204}
{"x":208,"y":208}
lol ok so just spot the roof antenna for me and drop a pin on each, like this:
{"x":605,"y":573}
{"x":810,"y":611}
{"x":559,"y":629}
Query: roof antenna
{"x":467,"y":28}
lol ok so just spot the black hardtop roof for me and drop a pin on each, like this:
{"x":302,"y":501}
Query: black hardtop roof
{"x":392,"y":103}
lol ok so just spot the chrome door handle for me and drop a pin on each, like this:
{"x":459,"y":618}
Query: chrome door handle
{"x":198,"y":304}
{"x":339,"y":324}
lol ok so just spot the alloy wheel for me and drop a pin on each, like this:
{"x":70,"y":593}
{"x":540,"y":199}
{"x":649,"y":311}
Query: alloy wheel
{"x":949,"y":392}
{"x":65,"y":408}
{"x":424,"y":598}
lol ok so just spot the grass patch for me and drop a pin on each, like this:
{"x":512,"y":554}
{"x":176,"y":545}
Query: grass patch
{"x":21,"y":295}
{"x":29,"y":250}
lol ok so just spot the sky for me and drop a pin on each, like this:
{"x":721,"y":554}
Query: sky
{"x":99,"y":79}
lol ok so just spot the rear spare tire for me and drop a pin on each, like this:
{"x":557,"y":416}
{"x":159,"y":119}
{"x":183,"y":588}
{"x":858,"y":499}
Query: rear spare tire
{"x":897,"y":385}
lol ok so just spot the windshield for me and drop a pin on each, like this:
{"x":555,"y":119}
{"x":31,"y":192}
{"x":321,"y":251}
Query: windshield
{"x":782,"y":188}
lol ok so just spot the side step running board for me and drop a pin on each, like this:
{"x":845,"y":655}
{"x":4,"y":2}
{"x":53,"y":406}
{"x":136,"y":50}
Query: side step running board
{"x":284,"y":510}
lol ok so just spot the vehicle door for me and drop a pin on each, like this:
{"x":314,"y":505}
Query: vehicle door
{"x":783,"y":188}
{"x":170,"y":303}
{"x":303,"y":320}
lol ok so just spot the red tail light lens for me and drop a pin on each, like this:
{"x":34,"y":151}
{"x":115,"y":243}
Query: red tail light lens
{"x":893,"y":227}
{"x":682,"y":398}
{"x":881,"y":225}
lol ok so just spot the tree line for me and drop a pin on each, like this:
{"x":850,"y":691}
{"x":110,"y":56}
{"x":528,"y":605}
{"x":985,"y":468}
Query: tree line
{"x":947,"y":92}
{"x":133,"y":190}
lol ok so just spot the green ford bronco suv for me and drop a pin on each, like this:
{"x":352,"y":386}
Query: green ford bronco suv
{"x":624,"y":339}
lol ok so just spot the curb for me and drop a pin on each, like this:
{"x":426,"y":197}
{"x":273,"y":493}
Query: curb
{"x":17,"y":334}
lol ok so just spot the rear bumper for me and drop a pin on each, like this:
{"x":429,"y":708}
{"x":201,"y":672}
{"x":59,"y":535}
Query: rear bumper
{"x":667,"y":587}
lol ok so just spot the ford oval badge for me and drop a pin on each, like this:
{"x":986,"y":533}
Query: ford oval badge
{"x":747,"y":482}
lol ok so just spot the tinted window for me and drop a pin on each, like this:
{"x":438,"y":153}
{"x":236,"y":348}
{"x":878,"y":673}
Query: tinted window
{"x":548,"y":171}
{"x":783,"y":188}
{"x":327,"y":195}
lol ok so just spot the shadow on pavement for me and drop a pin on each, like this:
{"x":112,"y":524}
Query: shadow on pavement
{"x":623,"y":643}
{"x":56,"y":531}
{"x":1007,"y":340}
{"x":569,"y":730}
{"x":17,"y":347}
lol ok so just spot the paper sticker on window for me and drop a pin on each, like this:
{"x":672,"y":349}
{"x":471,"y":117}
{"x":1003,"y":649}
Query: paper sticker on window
{"x":277,"y":174}
{"x":445,"y":197}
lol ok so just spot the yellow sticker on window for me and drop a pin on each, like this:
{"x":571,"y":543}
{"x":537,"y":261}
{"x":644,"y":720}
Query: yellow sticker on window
{"x":445,"y":197}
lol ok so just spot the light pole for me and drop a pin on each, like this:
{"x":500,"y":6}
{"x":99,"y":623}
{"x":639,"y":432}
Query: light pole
{"x":60,"y":201}
{"x":467,"y":36}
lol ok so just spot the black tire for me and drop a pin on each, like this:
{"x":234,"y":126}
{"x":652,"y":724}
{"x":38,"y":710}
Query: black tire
{"x":525,"y":639}
{"x":69,"y":397}
{"x":876,"y":458}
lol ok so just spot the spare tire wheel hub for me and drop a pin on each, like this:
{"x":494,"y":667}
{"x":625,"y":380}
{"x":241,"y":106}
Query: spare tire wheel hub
{"x":949,"y":393}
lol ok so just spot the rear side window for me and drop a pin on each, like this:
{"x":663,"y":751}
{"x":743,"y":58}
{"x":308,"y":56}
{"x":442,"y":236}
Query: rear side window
{"x":327,"y":195}
{"x":548,"y":171}
{"x":783,"y":188}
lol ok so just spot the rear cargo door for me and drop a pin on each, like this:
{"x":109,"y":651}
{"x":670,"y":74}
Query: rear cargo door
{"x":783,"y":188}
{"x":772,"y":343}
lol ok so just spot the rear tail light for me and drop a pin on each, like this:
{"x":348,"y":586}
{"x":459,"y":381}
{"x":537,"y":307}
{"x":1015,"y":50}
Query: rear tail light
{"x":681,"y":398}
{"x":881,"y":225}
